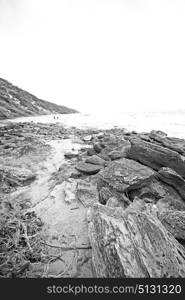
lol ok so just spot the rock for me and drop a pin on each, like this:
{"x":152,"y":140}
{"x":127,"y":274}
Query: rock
{"x":115,"y":155}
{"x":13,"y":177}
{"x":174,"y":222}
{"x":96,"y":160}
{"x":102,"y":145}
{"x":100,"y":135}
{"x":83,"y":149}
{"x":70,"y":155}
{"x":97,"y":147}
{"x":120,"y":178}
{"x":133,"y":244}
{"x":69,"y":188}
{"x":114,"y":202}
{"x":111,"y":139}
{"x":91,"y":152}
{"x":115,"y":147}
{"x":75,"y":174}
{"x":158,"y":133}
{"x":172,"y":143}
{"x":145,"y":137}
{"x":87,"y":138}
{"x":106,"y":193}
{"x":86,"y":193}
{"x":156,"y":190}
{"x":156,"y":156}
{"x":170,"y":177}
{"x":125,"y":175}
{"x":127,"y":134}
{"x":104,"y":156}
{"x":88,"y":168}
{"x":170,"y":203}
{"x":120,"y":151}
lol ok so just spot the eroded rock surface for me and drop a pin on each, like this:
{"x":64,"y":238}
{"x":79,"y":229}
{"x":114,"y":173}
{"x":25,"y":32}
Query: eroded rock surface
{"x":138,"y":177}
{"x":125,"y":175}
{"x":133,"y":243}
{"x":96,"y":160}
{"x":174,"y":222}
{"x":87,"y":168}
{"x":172,"y":178}
{"x":156,"y":156}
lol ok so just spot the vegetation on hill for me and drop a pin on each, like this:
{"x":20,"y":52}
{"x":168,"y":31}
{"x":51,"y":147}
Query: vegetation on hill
{"x":15,"y":102}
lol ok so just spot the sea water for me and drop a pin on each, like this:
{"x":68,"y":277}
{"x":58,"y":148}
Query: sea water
{"x":173,"y":123}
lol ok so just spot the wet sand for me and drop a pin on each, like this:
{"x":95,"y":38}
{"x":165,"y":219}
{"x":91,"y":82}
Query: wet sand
{"x":64,"y":232}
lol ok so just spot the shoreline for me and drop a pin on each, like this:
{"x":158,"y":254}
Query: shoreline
{"x":72,"y":184}
{"x":172,"y":124}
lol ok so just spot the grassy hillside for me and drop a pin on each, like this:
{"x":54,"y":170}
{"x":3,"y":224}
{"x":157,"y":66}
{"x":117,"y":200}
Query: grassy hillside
{"x":15,"y":102}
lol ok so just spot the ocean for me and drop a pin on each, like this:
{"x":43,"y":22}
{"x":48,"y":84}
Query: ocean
{"x":173,"y":123}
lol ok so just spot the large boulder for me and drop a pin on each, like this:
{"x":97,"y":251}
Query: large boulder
{"x":125,"y":175}
{"x":70,"y":155}
{"x":88,"y":169}
{"x":95,"y":160}
{"x":175,"y":144}
{"x":97,"y":147}
{"x":86,"y":193}
{"x":12,"y":177}
{"x":119,"y":178}
{"x":133,"y":243}
{"x":170,"y":177}
{"x":91,"y":152}
{"x":170,"y":203}
{"x":106,"y":193}
{"x":120,"y":151}
{"x":87,"y":138}
{"x":160,"y":193}
{"x":156,"y":156}
{"x":174,"y":222}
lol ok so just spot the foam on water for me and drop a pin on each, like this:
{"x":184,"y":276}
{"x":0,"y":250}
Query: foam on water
{"x":173,"y":123}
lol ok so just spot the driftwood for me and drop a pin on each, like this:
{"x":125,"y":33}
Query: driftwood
{"x":133,"y":243}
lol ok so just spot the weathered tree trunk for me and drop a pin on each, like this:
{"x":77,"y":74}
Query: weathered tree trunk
{"x":133,"y":243}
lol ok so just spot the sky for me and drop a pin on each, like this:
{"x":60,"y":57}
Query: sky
{"x":96,"y":55}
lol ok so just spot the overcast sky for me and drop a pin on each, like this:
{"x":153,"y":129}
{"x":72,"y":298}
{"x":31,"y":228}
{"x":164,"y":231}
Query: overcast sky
{"x":105,"y":55}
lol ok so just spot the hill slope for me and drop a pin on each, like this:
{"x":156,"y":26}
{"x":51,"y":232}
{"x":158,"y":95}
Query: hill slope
{"x":15,"y":102}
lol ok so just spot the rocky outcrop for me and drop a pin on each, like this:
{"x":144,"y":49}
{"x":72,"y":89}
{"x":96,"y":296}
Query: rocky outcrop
{"x":125,"y":175}
{"x":120,"y":151}
{"x":97,"y":147}
{"x":86,"y":193}
{"x":88,"y":169}
{"x":133,"y":243}
{"x":14,"y":177}
{"x":172,"y":143}
{"x":70,"y":155}
{"x":174,"y":222}
{"x":131,"y":184}
{"x":96,"y":160}
{"x":87,"y":138}
{"x":160,"y":193}
{"x":156,"y":156}
{"x":170,"y":177}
